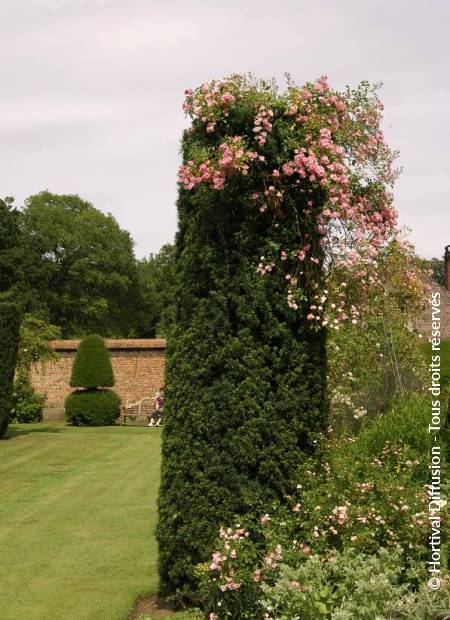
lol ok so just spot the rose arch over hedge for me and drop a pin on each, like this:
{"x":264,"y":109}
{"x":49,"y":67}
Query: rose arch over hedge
{"x":277,"y":192}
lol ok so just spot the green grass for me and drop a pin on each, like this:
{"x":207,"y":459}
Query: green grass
{"x":77,"y":520}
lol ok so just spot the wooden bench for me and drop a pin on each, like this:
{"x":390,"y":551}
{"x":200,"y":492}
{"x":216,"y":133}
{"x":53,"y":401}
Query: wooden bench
{"x":138,"y":411}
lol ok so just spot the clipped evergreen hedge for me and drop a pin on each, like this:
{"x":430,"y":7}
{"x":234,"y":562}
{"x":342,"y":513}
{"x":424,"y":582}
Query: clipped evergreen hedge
{"x":92,"y":366}
{"x":92,"y":370}
{"x":245,"y":376}
{"x":9,"y":346}
{"x":92,"y":407}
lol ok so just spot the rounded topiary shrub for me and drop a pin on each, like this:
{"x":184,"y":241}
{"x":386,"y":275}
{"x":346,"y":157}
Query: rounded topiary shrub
{"x":92,"y":367}
{"x":9,"y":338}
{"x":92,"y":407}
{"x":91,"y":370}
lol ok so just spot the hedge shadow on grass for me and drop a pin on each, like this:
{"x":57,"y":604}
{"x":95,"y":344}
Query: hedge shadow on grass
{"x":17,"y":432}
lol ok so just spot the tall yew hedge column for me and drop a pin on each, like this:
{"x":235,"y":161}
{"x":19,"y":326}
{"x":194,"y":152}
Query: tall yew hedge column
{"x":245,"y":373}
{"x":285,"y":210}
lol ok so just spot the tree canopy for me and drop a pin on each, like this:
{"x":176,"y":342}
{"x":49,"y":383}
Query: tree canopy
{"x":436,"y":269}
{"x":9,"y":245}
{"x":71,"y":265}
{"x":156,"y":275}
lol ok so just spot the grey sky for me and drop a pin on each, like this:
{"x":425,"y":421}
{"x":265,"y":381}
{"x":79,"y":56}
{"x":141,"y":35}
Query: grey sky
{"x":91,"y":93}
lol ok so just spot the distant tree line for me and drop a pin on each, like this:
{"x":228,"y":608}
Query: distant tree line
{"x":436,"y":269}
{"x":68,"y":264}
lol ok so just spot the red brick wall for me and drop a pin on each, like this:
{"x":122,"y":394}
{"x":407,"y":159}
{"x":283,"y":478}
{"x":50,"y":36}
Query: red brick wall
{"x":423,"y":324}
{"x":138,"y":369}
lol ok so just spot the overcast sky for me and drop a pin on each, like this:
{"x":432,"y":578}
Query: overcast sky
{"x":91,"y":93}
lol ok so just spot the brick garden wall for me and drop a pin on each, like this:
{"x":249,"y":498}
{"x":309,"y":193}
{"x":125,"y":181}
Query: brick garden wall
{"x":138,"y":368}
{"x":139,"y":364}
{"x":423,"y":324}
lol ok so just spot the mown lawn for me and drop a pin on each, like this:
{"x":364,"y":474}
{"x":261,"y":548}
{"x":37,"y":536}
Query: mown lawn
{"x":77,"y":520}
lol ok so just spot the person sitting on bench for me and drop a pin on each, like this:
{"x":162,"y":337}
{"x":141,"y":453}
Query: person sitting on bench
{"x":156,"y":416}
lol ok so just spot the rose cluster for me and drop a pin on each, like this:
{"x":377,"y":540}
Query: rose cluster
{"x":337,"y":151}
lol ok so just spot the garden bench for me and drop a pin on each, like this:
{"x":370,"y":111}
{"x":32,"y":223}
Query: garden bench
{"x":139,"y":411}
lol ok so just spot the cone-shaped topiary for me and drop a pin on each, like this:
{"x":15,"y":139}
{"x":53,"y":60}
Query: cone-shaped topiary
{"x":9,"y":339}
{"x":92,"y":367}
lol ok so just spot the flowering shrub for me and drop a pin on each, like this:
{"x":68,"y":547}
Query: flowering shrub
{"x":375,"y":502}
{"x":362,"y":495}
{"x":28,"y":405}
{"x":367,"y":367}
{"x":348,"y":586}
{"x":342,"y":586}
{"x":332,"y":146}
{"x":34,"y":348}
{"x":230,"y":582}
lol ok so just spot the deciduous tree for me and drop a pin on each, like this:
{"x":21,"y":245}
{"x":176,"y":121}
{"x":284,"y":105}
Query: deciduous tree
{"x":79,"y":269}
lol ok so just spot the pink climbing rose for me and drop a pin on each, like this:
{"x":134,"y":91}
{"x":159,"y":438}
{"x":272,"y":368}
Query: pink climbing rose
{"x":333,"y":150}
